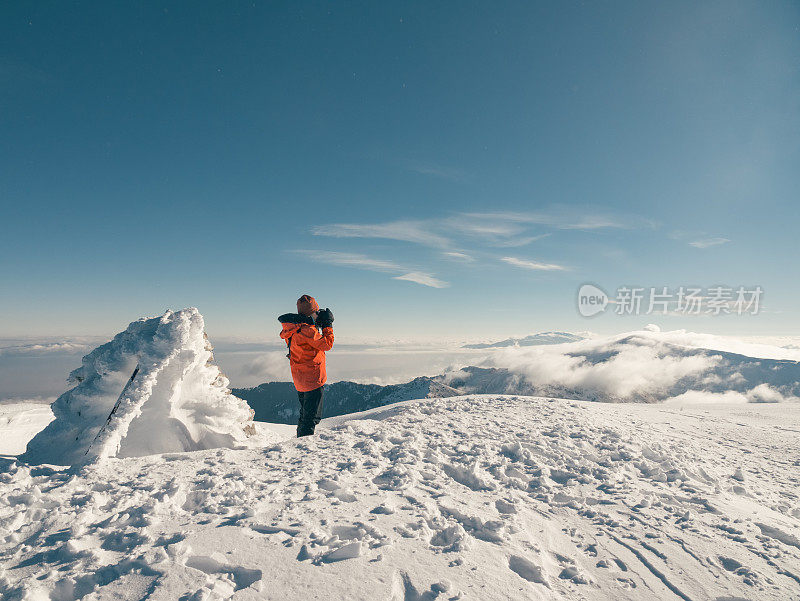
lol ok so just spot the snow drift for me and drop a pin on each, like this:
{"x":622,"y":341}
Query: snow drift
{"x":178,"y":400}
{"x":641,"y":366}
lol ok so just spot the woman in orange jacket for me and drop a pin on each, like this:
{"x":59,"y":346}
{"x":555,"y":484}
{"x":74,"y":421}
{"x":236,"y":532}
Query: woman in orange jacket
{"x":307,"y":345}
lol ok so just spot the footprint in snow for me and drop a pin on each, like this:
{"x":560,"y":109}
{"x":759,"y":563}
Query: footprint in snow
{"x":216,"y":566}
{"x":404,"y":590}
{"x":528,"y":570}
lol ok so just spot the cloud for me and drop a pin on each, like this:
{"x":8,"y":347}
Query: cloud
{"x":436,"y":170}
{"x":704,"y":397}
{"x":533,"y":265}
{"x":418,"y":232}
{"x":273,"y":367}
{"x":655,"y":366}
{"x":472,"y":230}
{"x":565,"y":220}
{"x":763,"y":393}
{"x":493,"y":228}
{"x":708,"y":242}
{"x":522,"y":241}
{"x":422,"y":278}
{"x":459,"y":256}
{"x":360,"y":261}
{"x":343,"y":259}
{"x":483,"y":227}
{"x":48,"y":348}
{"x":611,"y":371}
{"x":592,"y":222}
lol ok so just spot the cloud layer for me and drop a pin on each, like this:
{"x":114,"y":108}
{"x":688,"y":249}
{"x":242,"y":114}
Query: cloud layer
{"x":44,"y":348}
{"x":451,"y":236}
{"x":650,"y":366}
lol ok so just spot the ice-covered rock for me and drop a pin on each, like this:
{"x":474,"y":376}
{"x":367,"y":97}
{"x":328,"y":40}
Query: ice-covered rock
{"x":178,"y":401}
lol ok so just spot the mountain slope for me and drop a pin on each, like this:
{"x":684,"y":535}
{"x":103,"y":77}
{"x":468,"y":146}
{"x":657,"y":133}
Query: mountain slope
{"x":531,"y":340}
{"x":276,"y":402}
{"x":484,"y":497}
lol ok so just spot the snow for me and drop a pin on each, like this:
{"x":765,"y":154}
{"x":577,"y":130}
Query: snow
{"x":178,"y":401}
{"x":19,"y":422}
{"x":469,"y":497}
{"x":542,"y":338}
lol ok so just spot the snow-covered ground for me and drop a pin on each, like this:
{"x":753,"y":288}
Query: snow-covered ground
{"x":474,"y":497}
{"x":19,"y":422}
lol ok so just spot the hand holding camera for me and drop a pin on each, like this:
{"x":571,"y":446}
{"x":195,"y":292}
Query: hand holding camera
{"x":324,"y":319}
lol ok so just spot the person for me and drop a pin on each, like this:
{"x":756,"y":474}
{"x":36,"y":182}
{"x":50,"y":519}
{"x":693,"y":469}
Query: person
{"x":308,"y":335}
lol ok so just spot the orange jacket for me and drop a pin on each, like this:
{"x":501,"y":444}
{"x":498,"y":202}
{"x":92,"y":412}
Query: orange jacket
{"x":307,"y":354}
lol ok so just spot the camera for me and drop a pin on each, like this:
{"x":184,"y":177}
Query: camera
{"x":324,"y":318}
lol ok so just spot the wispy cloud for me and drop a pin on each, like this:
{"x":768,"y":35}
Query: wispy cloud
{"x":592,"y":222}
{"x":708,"y":242}
{"x":473,"y":230}
{"x":477,"y":226}
{"x":563,"y":220}
{"x":425,"y":279}
{"x":459,"y":256}
{"x":493,"y":230}
{"x":359,"y":261}
{"x":533,"y":265}
{"x":349,"y":260}
{"x":519,"y":241}
{"x":418,"y":232}
{"x":496,"y":229}
{"x":436,"y":170}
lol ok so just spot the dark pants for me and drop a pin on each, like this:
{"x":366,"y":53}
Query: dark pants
{"x":310,"y":411}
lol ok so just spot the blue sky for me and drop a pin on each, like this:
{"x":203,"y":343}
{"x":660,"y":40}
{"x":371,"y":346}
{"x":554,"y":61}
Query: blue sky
{"x":424,"y":169}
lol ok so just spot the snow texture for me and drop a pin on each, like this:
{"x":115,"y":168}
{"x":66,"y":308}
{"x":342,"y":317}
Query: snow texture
{"x":472,"y":497}
{"x":178,"y":401}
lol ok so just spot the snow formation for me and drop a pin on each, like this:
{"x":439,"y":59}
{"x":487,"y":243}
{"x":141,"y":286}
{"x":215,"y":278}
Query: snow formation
{"x":178,"y":401}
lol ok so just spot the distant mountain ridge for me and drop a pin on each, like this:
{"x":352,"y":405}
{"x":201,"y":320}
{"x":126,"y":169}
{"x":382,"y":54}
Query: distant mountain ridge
{"x":704,"y":372}
{"x":276,"y":402}
{"x":531,"y":340}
